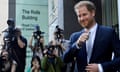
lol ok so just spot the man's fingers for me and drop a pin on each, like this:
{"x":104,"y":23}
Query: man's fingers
{"x":92,"y":68}
{"x":86,"y":31}
{"x":84,"y":37}
{"x":89,"y":67}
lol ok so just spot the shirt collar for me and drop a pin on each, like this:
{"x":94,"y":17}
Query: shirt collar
{"x":93,"y":28}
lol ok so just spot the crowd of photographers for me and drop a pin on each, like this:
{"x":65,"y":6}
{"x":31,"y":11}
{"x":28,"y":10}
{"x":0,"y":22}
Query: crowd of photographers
{"x":46,"y":58}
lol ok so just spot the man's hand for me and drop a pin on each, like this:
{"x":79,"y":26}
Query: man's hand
{"x":92,"y":68}
{"x":20,"y":42}
{"x":83,"y":37}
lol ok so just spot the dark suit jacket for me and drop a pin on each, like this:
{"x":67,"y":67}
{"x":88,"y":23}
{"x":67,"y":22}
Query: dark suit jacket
{"x":106,"y":41}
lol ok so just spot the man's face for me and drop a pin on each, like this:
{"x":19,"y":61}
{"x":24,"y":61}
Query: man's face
{"x":85,"y":17}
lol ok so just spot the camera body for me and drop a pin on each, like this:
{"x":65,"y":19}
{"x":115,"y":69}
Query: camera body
{"x":58,"y":32}
{"x":37,"y":35}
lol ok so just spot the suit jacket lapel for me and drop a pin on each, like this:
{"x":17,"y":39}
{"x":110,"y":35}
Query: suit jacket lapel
{"x":97,"y":36}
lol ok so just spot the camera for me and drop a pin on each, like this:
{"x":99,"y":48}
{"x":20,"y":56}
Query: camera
{"x":58,"y":32}
{"x":50,"y":49}
{"x":37,"y":34}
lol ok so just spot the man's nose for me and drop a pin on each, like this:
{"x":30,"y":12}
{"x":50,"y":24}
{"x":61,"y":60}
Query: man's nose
{"x":81,"y":18}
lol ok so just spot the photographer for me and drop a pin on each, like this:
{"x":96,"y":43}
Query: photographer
{"x":38,"y":39}
{"x":9,"y":35}
{"x":15,"y":44}
{"x":20,"y":51}
{"x":59,"y":41}
{"x":62,"y":45}
{"x":6,"y":63}
{"x":51,"y":62}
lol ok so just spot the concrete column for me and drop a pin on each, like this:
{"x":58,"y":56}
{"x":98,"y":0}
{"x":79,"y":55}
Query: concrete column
{"x":3,"y":14}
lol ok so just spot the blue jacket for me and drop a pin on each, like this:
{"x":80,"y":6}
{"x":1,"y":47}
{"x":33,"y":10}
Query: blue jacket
{"x":106,"y":42}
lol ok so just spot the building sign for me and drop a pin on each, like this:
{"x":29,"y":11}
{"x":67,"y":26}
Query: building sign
{"x":30,"y":13}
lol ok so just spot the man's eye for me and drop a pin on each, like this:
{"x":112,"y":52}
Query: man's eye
{"x":84,"y":14}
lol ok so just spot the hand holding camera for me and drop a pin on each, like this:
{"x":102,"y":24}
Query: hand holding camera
{"x":50,"y":51}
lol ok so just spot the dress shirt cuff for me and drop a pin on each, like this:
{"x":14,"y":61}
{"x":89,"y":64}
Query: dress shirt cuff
{"x":100,"y":69}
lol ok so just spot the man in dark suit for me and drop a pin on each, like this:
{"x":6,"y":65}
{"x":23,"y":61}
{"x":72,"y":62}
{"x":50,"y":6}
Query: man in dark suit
{"x":94,"y":45}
